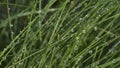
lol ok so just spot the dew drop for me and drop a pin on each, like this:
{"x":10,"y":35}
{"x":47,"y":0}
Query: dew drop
{"x":105,"y":57}
{"x":31,"y":67}
{"x":88,"y":25}
{"x":92,"y":20}
{"x":72,"y":30}
{"x":81,"y":19}
{"x":11,"y":25}
{"x":4,"y":58}
{"x":46,"y":66}
{"x":20,"y":63}
{"x":15,"y":59}
{"x":58,"y":56}
{"x":24,"y":50}
{"x":77,"y":38}
{"x":95,"y":28}
{"x":90,"y":52}
{"x":94,"y":65}
{"x":78,"y":60}
{"x":62,"y":38}
{"x":84,"y":31}
{"x":61,"y":25}
{"x":113,"y":61}
{"x":112,"y":35}
{"x":76,"y":48}
{"x":94,"y":6}
{"x":68,"y":45}
{"x":97,"y":38}
{"x":99,"y":15}
{"x":86,"y":16}
{"x":107,"y":9}
{"x":9,"y":9}
{"x":81,"y":57}
{"x":12,"y":32}
{"x":65,"y":61}
{"x":70,"y":56}
{"x":97,"y":47}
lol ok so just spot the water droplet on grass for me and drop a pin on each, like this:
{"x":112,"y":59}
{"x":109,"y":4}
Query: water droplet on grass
{"x":112,"y":35}
{"x":9,"y":9}
{"x":105,"y":57}
{"x":86,"y":15}
{"x":99,"y":15}
{"x":58,"y":56}
{"x":81,"y":19}
{"x":84,"y":31}
{"x":94,"y":65}
{"x":72,"y":30}
{"x":77,"y":38}
{"x":4,"y":58}
{"x":76,"y":48}
{"x":11,"y":25}
{"x":97,"y":38}
{"x":113,"y":61}
{"x":95,"y":28}
{"x":70,"y":56}
{"x":90,"y":52}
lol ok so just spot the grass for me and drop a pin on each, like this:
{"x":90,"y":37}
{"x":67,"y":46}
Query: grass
{"x":60,"y":34}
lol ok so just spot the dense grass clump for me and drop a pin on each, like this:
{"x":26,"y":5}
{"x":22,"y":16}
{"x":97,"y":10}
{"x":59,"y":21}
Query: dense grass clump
{"x":60,"y":34}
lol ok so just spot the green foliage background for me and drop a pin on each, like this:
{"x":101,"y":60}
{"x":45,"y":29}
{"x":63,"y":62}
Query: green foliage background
{"x":59,"y":34}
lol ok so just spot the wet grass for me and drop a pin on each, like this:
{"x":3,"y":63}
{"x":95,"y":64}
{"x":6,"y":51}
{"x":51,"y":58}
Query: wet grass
{"x":60,"y":34}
